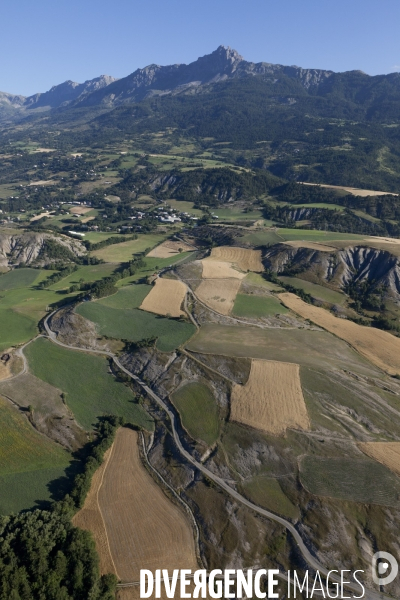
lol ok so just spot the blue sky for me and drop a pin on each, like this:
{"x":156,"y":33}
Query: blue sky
{"x":47,"y":42}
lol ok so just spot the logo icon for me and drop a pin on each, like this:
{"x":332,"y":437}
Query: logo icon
{"x":384,"y":568}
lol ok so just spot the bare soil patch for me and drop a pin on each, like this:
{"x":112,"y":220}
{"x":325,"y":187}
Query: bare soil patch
{"x":37,"y":217}
{"x":272,"y":399}
{"x":245,"y":258}
{"x":216,"y":269}
{"x":165,"y":297}
{"x":387,"y":453}
{"x":170,"y":248}
{"x":380,"y":347}
{"x":145,"y":529}
{"x":219,"y":294}
{"x":42,"y":182}
{"x":311,"y":245}
{"x":80,"y":210}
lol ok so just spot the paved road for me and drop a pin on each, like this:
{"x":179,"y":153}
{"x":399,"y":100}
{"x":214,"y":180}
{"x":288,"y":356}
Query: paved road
{"x":309,"y":558}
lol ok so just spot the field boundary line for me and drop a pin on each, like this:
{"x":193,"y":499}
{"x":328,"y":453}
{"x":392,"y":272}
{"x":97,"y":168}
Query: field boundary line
{"x":99,"y":507}
{"x":186,"y":506}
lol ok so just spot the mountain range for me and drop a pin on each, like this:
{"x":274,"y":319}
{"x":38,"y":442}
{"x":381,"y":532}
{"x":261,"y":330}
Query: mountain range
{"x":221,"y":65}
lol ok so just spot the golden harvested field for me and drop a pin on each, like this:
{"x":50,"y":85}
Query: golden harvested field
{"x":383,"y":240}
{"x":170,"y":248}
{"x":387,"y":453}
{"x":90,"y":518}
{"x":219,"y":294}
{"x":272,"y":399}
{"x":216,"y":269}
{"x":245,"y":258}
{"x":165,"y":297}
{"x":351,"y":190}
{"x":44,"y":214}
{"x":80,"y":210}
{"x":145,"y":529}
{"x":311,"y":245}
{"x":380,"y":347}
{"x":5,"y":372}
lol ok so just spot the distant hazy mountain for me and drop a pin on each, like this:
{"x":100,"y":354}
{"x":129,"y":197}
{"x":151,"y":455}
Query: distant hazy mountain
{"x":222,"y":65}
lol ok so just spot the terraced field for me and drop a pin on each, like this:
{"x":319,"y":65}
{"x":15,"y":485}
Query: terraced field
{"x":353,"y":480}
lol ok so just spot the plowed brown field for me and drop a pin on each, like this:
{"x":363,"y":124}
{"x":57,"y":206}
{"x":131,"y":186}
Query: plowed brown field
{"x":272,"y":399}
{"x":387,"y":453}
{"x":380,"y":347}
{"x":219,"y":294}
{"x":169,"y":248}
{"x":165,"y":298}
{"x":145,"y":529}
{"x":245,"y":258}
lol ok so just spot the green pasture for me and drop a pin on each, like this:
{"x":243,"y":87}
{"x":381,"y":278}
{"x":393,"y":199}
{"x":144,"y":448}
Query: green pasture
{"x":90,"y":389}
{"x":317,"y":291}
{"x":267,"y":493}
{"x":247,"y":305}
{"x":88,"y":273}
{"x":123,"y":252}
{"x":136,"y":325}
{"x":18,"y":278}
{"x":198,"y":411}
{"x":154,"y":265}
{"x":130,"y":296}
{"x":15,"y":328}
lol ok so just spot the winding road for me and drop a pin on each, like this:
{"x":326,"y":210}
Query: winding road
{"x":308,"y":557}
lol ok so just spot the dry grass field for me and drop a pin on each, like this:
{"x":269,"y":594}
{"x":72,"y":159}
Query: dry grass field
{"x":387,"y":453}
{"x":218,"y":269}
{"x":272,"y":399}
{"x":219,"y":294}
{"x":90,"y":518}
{"x":245,"y":258}
{"x":311,"y":245}
{"x":165,"y":297}
{"x":145,"y":529}
{"x":80,"y":210}
{"x":351,"y":190}
{"x":170,"y":248}
{"x":379,"y":347}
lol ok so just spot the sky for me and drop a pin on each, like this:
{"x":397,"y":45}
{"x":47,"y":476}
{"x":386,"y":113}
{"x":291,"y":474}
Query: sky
{"x":46,"y":42}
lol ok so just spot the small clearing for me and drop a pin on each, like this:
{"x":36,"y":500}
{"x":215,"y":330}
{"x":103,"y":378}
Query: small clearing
{"x":272,"y":399}
{"x":170,"y":248}
{"x":311,"y":246}
{"x":387,"y":453}
{"x":380,"y":347}
{"x":80,"y":210}
{"x":219,"y":294}
{"x":245,"y":258}
{"x":145,"y":529}
{"x":166,"y":298}
{"x":215,"y":269}
{"x":42,"y":182}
